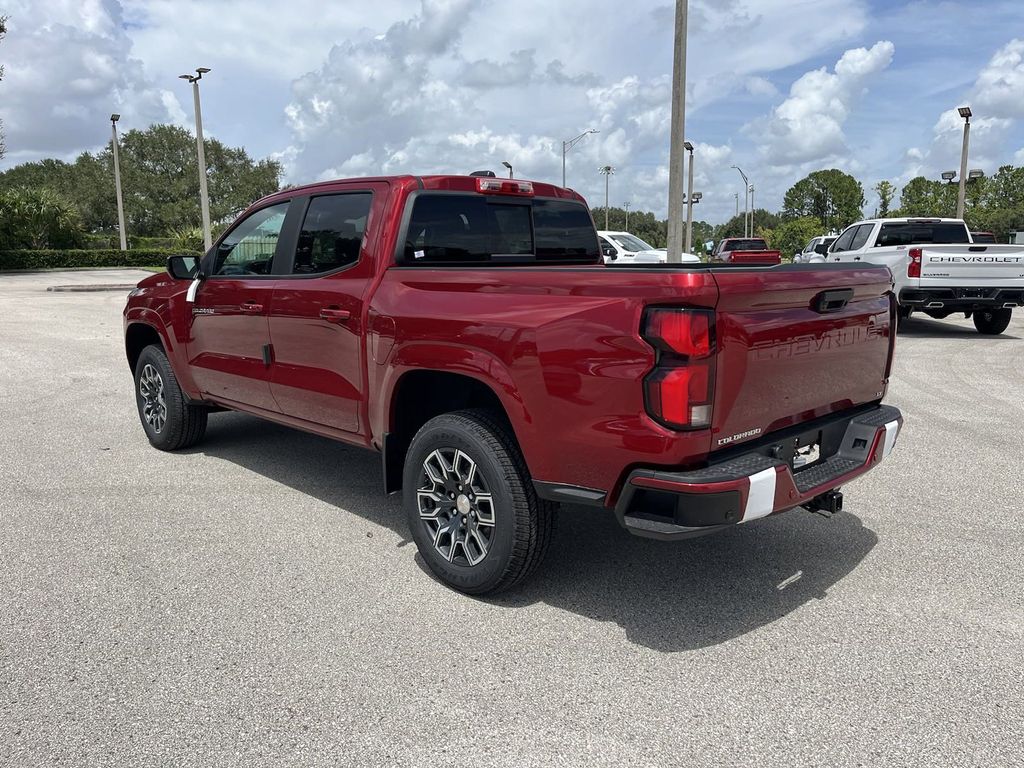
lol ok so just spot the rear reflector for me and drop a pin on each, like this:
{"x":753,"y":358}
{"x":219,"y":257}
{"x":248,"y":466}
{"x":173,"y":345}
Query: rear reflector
{"x":914,"y":267}
{"x":679,"y":391}
{"x":504,"y":186}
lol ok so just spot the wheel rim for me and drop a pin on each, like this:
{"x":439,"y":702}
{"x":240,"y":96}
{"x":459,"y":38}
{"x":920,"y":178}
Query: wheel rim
{"x":151,"y":390}
{"x":455,"y":505}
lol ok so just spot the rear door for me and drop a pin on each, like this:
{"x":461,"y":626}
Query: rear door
{"x":788,"y":353}
{"x":229,"y":342}
{"x":317,"y":319}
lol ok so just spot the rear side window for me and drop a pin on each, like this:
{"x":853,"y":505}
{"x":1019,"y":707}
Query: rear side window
{"x":861,"y":236}
{"x":476,"y":229}
{"x":922,"y":232}
{"x":332,"y":233}
{"x":844,"y":240}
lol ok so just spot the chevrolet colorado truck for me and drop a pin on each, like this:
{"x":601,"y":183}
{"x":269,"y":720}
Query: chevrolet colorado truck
{"x":939,"y":269}
{"x":467,"y":330}
{"x":745,"y":250}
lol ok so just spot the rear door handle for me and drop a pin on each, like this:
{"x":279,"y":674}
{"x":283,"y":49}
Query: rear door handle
{"x":251,"y":308}
{"x":334,"y":315}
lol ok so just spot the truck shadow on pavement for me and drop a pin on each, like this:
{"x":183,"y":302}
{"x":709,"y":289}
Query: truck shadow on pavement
{"x":668,"y":596}
{"x":923,"y":327}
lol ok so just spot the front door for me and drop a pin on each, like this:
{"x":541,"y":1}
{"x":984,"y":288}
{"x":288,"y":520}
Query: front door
{"x":229,"y":349}
{"x":316,"y":320}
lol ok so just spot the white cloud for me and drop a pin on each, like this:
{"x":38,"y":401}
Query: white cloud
{"x":999,"y":89}
{"x":68,"y":66}
{"x":808,"y":126}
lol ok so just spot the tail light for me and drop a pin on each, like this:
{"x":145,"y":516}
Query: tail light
{"x":504,"y":187}
{"x":914,"y":267}
{"x":680,"y":389}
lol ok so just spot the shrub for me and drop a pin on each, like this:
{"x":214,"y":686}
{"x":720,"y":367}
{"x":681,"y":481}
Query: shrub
{"x":38,"y":218}
{"x":53,"y":259}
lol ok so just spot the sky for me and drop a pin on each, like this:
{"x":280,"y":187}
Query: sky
{"x":345,"y":88}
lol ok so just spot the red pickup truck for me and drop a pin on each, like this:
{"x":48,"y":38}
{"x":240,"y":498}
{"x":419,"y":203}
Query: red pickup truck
{"x":745,"y":250}
{"x":466,"y":329}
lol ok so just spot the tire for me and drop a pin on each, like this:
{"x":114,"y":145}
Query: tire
{"x":472,"y":545}
{"x":992,"y":322}
{"x":169,"y":420}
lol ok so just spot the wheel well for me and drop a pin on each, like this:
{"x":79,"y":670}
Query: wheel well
{"x":419,"y":396}
{"x":137,"y":338}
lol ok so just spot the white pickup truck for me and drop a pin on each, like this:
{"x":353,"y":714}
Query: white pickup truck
{"x":938,"y":269}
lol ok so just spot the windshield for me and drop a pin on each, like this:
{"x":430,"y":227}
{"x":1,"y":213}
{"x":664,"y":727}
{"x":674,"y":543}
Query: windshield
{"x":750,"y":244}
{"x":921,"y":232}
{"x":632,"y":243}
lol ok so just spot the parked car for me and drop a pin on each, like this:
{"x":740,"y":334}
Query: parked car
{"x":466,"y":329}
{"x":938,"y":269}
{"x":815,"y":250}
{"x":621,"y":248}
{"x":745,"y":250}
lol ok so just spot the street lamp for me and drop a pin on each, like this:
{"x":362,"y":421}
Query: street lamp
{"x":746,"y":198}
{"x":752,"y":209}
{"x":508,"y":165}
{"x":625,"y":207}
{"x":204,"y":199}
{"x":975,"y":174}
{"x":677,"y":134}
{"x":965,"y":113}
{"x":117,"y":182}
{"x":607,"y":170}
{"x":948,"y":176}
{"x":567,"y":145}
{"x":689,"y":200}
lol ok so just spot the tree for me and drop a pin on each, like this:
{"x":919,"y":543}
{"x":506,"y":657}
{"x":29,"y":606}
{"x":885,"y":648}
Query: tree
{"x":3,"y":31}
{"x":160,"y":180}
{"x":886,"y":192}
{"x":924,"y":197}
{"x":37,"y":218}
{"x":763,"y":219}
{"x":792,"y":235}
{"x":835,"y":198}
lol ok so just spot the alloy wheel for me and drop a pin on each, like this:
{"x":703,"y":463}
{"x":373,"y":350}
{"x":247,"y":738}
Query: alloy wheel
{"x":456,"y":506}
{"x":151,"y":389}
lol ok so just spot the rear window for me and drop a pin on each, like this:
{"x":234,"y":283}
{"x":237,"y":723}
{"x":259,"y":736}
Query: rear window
{"x":921,"y":232}
{"x":745,"y":245}
{"x":478,"y":229}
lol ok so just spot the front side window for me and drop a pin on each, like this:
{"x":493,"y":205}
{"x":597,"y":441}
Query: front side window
{"x":332,"y":233}
{"x":248,"y":249}
{"x":632,"y":243}
{"x":861,"y":236}
{"x":460,"y":229}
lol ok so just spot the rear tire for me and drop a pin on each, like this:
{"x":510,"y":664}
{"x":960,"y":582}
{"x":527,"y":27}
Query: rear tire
{"x":992,"y":322}
{"x":170,"y":421}
{"x":471,"y":505}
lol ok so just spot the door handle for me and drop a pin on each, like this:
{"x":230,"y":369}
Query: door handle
{"x":251,"y":308}
{"x":856,"y":258}
{"x":334,"y":315}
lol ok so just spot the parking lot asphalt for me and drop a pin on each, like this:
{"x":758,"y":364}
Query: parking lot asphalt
{"x":256,"y":600}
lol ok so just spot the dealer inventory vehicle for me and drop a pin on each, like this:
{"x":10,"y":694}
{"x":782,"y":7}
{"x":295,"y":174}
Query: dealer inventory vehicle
{"x":938,"y":269}
{"x":745,"y":250}
{"x":621,"y":248}
{"x":467,"y":330}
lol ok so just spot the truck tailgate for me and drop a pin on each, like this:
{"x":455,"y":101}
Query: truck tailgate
{"x":978,"y":266}
{"x":786,"y":357}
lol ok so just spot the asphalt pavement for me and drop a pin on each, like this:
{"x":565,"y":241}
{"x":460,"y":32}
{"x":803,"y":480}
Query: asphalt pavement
{"x":256,"y":600}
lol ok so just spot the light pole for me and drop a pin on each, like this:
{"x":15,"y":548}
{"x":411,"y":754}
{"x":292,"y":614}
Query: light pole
{"x":746,"y":198}
{"x":117,"y":182}
{"x":567,"y":145}
{"x":509,"y":166}
{"x":965,"y":113}
{"x":625,"y":207}
{"x":204,"y":199}
{"x":752,"y":209}
{"x":689,"y":200}
{"x":676,"y":138}
{"x":607,"y":170}
{"x":737,"y":196}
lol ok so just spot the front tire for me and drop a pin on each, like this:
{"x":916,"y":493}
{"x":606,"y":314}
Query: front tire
{"x":992,"y":322}
{"x":170,"y":421}
{"x":471,"y":505}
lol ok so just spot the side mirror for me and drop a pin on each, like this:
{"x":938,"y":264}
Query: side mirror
{"x":183,"y":267}
{"x":610,"y":252}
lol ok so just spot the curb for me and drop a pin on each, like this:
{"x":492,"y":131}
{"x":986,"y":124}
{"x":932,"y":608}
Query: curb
{"x":91,"y":288}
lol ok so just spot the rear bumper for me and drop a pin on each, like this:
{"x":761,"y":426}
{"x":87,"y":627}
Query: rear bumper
{"x":663,"y":504}
{"x":961,"y":299}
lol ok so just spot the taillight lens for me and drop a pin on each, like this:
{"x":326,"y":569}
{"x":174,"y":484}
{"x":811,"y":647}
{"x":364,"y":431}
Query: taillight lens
{"x":914,"y":267}
{"x":680,"y":389}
